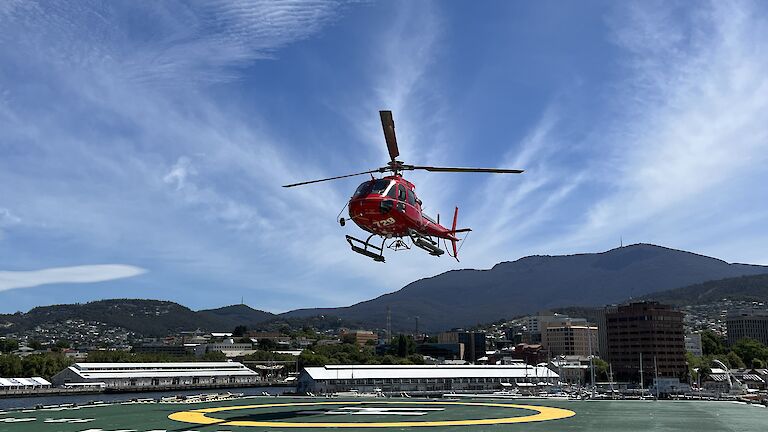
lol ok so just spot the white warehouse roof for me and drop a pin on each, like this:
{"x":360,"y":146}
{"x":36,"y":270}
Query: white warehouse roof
{"x":330,"y":372}
{"x":100,"y":371}
{"x":23,"y":382}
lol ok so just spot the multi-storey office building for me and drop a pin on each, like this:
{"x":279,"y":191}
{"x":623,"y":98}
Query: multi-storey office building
{"x":747,"y":324}
{"x":474,"y":342}
{"x":652,"y":330}
{"x":572,"y":340}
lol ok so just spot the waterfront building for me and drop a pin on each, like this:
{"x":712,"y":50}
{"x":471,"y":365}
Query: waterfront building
{"x":529,"y":353}
{"x":651,"y":330}
{"x":474,"y":345}
{"x":693,"y":344}
{"x":421,"y":378}
{"x":753,"y":379}
{"x":546,"y":321}
{"x":9,"y":384}
{"x":748,"y":324}
{"x":161,"y":348}
{"x":228,"y":347}
{"x":474,"y":342}
{"x":572,"y":340}
{"x":536,"y":326}
{"x":360,"y":337}
{"x":716,"y":381}
{"x":668,"y":386}
{"x":573,"y":370}
{"x":145,"y":376}
{"x":602,"y":328}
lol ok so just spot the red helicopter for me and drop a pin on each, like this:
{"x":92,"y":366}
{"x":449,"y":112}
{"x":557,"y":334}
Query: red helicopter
{"x":388,"y":206}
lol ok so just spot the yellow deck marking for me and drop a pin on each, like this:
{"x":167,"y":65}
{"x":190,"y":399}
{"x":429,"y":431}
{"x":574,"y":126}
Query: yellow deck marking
{"x":542,"y":414}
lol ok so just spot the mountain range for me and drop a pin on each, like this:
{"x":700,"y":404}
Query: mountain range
{"x":458,"y":298}
{"x":461,"y":298}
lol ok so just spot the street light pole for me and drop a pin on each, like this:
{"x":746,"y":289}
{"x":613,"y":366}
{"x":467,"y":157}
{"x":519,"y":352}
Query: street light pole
{"x":591,"y":359}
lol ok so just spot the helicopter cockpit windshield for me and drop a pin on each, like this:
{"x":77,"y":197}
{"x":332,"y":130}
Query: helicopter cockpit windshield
{"x":373,"y":186}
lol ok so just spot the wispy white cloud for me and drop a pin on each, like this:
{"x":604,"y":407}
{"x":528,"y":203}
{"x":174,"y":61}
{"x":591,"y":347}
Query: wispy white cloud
{"x":179,"y":172}
{"x":7,"y":218}
{"x":215,"y":205}
{"x":205,"y":205}
{"x":75,"y":274}
{"x":200,"y":40}
{"x":695,"y":127}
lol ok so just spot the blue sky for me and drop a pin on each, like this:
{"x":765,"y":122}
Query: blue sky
{"x":143,"y":144}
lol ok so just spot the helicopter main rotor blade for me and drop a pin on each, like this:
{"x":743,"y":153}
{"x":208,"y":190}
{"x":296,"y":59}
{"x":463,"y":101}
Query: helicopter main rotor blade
{"x":467,"y":170}
{"x":334,"y":178}
{"x":388,"y":124}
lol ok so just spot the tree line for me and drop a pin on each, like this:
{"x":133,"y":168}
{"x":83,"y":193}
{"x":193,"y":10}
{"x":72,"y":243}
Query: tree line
{"x":401,"y":350}
{"x":745,"y":353}
{"x":35,"y":365}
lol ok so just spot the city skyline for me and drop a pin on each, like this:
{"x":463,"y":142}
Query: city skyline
{"x":143,"y":146}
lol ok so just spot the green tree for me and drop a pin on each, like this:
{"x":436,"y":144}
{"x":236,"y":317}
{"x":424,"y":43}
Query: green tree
{"x":734,"y":360}
{"x":214,"y":356}
{"x":10,"y":365}
{"x":601,"y":369}
{"x":43,"y":365}
{"x":402,"y":346}
{"x":269,"y":356}
{"x":348,"y":339}
{"x":35,"y":344}
{"x":712,"y":343}
{"x":695,"y":365}
{"x":309,"y":358}
{"x":239,"y":331}
{"x":8,"y":345}
{"x":416,"y":359}
{"x":757,"y":363}
{"x":267,"y":344}
{"x":749,"y":349}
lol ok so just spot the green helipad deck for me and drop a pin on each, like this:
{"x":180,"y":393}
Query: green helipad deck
{"x":302,"y":414}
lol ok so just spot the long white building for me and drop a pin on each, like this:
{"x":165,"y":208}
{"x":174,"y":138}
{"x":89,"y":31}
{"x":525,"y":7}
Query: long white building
{"x":130,"y":376}
{"x":420,"y":378}
{"x":23,"y":383}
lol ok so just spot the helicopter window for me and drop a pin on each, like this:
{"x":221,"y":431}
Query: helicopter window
{"x":379,"y":186}
{"x":371,"y":186}
{"x":411,"y":198}
{"x":363,"y":190}
{"x":401,"y":194}
{"x":392,"y":192}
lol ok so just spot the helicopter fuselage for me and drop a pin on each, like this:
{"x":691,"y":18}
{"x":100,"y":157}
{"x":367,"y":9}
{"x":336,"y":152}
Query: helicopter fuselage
{"x":388,"y":207}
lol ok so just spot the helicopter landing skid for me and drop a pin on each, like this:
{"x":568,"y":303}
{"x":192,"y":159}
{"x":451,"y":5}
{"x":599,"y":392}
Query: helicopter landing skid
{"x":353,"y":243}
{"x":426,"y":243}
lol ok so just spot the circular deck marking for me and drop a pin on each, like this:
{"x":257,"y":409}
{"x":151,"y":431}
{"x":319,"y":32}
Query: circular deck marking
{"x":543,"y":413}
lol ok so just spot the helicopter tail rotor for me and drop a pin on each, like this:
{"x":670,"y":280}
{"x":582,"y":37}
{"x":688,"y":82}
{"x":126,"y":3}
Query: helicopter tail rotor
{"x":454,"y":231}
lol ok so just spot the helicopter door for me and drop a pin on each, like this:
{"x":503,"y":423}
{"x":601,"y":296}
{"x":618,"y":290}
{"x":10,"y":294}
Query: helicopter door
{"x":402,"y":195}
{"x":411,"y":210}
